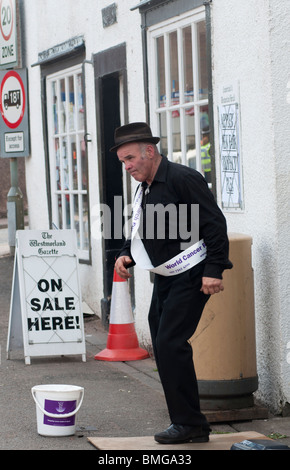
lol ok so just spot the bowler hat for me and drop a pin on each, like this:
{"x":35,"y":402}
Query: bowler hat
{"x":134,"y":132}
{"x":205,"y":130}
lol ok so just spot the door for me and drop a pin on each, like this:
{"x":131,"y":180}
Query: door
{"x":112,"y":180}
{"x":111,"y":108}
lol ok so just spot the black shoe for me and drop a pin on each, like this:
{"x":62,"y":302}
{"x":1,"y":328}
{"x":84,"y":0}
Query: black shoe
{"x":177,"y":434}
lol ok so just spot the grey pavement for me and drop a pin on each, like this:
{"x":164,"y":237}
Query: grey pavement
{"x":122,"y":399}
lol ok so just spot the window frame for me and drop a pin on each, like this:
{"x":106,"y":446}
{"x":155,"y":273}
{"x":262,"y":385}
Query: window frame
{"x":79,"y":134}
{"x":190,"y":18}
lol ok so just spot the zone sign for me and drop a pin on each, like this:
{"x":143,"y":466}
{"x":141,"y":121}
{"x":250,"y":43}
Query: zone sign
{"x":8,"y":41}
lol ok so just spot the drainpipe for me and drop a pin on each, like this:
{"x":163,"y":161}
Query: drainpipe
{"x":145,"y":65}
{"x":207,"y":5}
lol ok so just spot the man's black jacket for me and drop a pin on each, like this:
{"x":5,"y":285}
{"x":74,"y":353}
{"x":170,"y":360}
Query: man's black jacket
{"x":179,"y":185}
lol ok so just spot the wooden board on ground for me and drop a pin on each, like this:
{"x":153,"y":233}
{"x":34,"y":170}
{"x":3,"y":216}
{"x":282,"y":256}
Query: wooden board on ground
{"x":216,"y":442}
{"x":243,"y":414}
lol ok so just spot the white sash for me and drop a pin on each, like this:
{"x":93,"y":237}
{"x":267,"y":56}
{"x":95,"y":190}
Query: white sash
{"x":176,"y":265}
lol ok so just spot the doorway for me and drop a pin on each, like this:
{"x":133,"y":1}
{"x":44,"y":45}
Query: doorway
{"x":111,"y":107}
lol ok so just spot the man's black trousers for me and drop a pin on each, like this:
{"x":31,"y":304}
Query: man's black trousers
{"x":176,"y":308}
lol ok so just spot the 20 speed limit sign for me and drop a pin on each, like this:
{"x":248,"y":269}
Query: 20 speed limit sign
{"x":12,"y":99}
{"x":8,"y":40}
{"x":7,"y":18}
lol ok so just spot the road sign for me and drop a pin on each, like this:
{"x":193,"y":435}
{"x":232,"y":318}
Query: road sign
{"x":8,"y":36}
{"x":12,"y":96}
{"x":14,"y":125}
{"x":46,"y":317}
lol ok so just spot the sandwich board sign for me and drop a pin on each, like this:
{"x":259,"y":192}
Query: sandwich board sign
{"x":46,"y":306}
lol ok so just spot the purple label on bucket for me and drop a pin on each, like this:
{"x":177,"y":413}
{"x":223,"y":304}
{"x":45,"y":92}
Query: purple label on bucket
{"x":59,"y":407}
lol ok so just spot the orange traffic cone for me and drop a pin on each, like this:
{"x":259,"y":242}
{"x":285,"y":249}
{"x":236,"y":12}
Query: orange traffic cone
{"x":122,"y":342}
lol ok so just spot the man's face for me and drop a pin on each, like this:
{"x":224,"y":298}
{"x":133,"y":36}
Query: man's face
{"x":137,"y":161}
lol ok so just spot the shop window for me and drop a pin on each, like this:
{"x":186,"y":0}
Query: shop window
{"x":178,"y":85}
{"x":67,"y":155}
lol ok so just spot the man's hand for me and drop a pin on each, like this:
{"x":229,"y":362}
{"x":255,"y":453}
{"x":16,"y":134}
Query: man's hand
{"x":121,"y":266}
{"x":211,"y":285}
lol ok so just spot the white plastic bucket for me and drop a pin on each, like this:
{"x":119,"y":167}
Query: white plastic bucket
{"x":56,"y":408}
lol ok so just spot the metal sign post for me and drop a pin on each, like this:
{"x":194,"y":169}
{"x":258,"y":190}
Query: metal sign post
{"x":15,"y":210}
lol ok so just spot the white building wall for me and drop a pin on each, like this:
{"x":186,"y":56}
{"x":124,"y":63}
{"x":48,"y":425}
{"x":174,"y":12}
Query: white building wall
{"x":51,"y":22}
{"x":280,"y":76}
{"x":248,"y":47}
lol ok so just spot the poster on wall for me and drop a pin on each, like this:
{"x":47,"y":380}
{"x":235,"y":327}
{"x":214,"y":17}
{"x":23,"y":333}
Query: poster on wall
{"x":46,"y":306}
{"x":230,"y":148}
